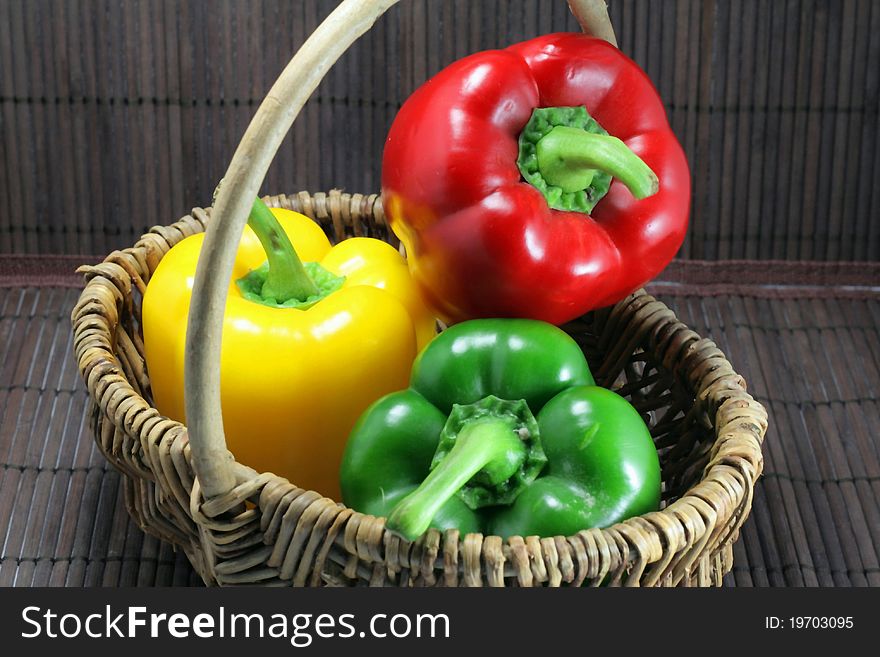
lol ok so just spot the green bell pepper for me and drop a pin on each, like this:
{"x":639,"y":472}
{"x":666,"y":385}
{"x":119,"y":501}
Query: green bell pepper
{"x":502,"y":431}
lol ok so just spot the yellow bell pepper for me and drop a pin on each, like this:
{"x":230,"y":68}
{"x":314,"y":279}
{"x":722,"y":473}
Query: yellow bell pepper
{"x":293,"y":379}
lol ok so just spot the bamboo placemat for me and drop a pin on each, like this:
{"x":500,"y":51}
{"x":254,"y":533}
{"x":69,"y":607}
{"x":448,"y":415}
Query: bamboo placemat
{"x":118,"y":115}
{"x":62,"y":510}
{"x":812,"y":357}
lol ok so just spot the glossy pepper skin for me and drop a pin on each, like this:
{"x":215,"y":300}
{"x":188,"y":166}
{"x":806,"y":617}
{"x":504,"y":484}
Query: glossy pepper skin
{"x":293,"y":381}
{"x":482,"y":242}
{"x":566,"y":454}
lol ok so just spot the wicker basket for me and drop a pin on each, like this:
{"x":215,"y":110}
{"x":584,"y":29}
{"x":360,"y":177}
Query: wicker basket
{"x":238,"y":526}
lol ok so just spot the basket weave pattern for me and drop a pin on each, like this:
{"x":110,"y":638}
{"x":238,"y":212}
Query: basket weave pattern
{"x":707,"y":428}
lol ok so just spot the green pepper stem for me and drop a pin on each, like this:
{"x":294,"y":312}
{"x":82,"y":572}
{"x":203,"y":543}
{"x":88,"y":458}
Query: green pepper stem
{"x":568,"y":158}
{"x":488,"y":446}
{"x":287,"y":278}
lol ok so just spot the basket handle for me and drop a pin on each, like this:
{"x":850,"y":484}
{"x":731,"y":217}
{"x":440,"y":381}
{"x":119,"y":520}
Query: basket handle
{"x":212,"y":461}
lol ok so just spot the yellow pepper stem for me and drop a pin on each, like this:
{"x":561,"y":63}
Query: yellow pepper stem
{"x":287,"y":278}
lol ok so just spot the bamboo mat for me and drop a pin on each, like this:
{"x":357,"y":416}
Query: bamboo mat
{"x":116,"y":115}
{"x":812,"y":357}
{"x":62,"y":512}
{"x":811,"y":354}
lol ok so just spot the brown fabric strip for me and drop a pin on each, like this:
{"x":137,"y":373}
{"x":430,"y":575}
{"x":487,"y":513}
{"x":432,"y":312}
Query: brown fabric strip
{"x":774,"y":279}
{"x":769,"y":279}
{"x":665,"y":289}
{"x":772,"y":272}
{"x":43,"y":270}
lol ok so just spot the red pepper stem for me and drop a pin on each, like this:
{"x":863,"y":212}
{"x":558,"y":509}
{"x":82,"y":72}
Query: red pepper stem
{"x":568,"y":158}
{"x":490,"y":446}
{"x":287,"y":278}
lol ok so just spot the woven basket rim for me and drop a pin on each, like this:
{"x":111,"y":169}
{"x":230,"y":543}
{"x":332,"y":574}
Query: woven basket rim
{"x":726,"y":388}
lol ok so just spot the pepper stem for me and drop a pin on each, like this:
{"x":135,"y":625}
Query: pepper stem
{"x":489,"y":446}
{"x":287,"y":278}
{"x":569,"y":157}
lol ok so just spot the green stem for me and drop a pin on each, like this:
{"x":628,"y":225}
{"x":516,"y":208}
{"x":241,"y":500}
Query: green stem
{"x":488,"y":446}
{"x":569,"y":157}
{"x":287,"y":278}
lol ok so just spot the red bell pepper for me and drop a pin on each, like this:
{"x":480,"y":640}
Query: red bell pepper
{"x":505,"y":211}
